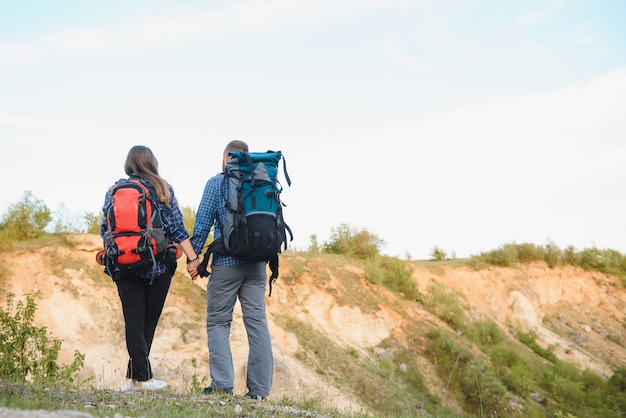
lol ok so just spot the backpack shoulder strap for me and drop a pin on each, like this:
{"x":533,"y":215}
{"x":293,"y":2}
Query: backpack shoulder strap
{"x":152,"y":195}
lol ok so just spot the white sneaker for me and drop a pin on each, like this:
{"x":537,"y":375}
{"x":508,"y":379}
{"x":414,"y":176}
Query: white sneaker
{"x":128,"y":385}
{"x":152,"y":384}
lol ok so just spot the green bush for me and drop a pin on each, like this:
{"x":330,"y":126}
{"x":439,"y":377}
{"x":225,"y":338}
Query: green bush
{"x":486,"y":334}
{"x":92,"y":222}
{"x":437,"y":254}
{"x":386,"y":368}
{"x":527,"y":253}
{"x":553,"y":255}
{"x":529,"y":339}
{"x":314,"y":246}
{"x":605,"y":261}
{"x":354,"y":243}
{"x":189,"y":218}
{"x":481,"y":387}
{"x":394,"y":274}
{"x":446,"y":305}
{"x":24,"y":220}
{"x":475,"y":380}
{"x":399,"y":277}
{"x":505,"y":256}
{"x":520,"y":379}
{"x":619,"y":378}
{"x":26,"y":352}
{"x":569,"y":256}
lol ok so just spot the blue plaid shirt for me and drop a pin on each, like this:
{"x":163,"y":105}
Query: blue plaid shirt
{"x":172,"y":219}
{"x":211,"y":213}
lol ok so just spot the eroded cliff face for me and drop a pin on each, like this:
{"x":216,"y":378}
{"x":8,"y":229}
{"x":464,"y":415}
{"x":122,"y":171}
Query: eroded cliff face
{"x":579,"y":313}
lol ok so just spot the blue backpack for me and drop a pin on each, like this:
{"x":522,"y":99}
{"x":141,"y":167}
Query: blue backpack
{"x":254,"y":228}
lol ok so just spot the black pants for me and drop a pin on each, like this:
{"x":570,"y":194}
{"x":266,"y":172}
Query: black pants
{"x":142,"y":304}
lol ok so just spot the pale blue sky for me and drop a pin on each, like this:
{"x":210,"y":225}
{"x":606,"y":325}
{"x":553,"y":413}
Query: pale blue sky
{"x":462,"y":124}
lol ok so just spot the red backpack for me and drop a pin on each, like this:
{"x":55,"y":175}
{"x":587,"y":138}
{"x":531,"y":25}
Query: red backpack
{"x":135,"y":238}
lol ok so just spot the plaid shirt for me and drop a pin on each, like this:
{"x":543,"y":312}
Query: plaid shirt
{"x":211,"y":213}
{"x":172,"y":219}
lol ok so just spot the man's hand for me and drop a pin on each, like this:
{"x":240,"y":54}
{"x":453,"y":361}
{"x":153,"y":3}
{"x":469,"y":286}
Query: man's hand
{"x":192,"y":268}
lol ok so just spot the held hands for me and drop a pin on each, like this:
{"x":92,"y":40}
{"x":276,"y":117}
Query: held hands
{"x":192,"y":268}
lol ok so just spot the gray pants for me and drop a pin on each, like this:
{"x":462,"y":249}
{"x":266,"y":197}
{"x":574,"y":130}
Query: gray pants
{"x":225,"y":285}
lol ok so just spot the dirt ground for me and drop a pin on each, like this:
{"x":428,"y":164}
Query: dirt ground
{"x":579,"y":313}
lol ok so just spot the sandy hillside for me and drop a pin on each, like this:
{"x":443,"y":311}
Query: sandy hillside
{"x":580,"y":313}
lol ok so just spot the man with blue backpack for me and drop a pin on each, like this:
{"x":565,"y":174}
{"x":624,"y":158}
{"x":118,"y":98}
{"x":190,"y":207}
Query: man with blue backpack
{"x":244,"y":241}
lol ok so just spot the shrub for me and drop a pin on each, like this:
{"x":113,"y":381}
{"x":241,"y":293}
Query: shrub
{"x":398,"y":277}
{"x":619,"y":378}
{"x":437,"y":254}
{"x":569,"y":255}
{"x":527,"y":253}
{"x":25,"y":219}
{"x":189,"y":218}
{"x":486,"y":333}
{"x":505,"y":256}
{"x":520,"y":379}
{"x":475,"y":380}
{"x":92,"y":222}
{"x":386,"y":368}
{"x":605,"y":261}
{"x":394,"y":274}
{"x":529,"y":339}
{"x":353,"y":243}
{"x":481,"y":387}
{"x":446,"y":305}
{"x":26,"y":352}
{"x":314,"y":246}
{"x":553,"y":255}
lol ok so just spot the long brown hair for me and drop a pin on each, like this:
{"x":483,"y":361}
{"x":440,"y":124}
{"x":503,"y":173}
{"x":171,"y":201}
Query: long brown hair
{"x":141,"y":162}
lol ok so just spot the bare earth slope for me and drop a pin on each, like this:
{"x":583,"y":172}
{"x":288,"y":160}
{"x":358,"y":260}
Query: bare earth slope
{"x":580,"y":313}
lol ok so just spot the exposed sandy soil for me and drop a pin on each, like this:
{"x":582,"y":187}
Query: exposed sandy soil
{"x":584,"y":307}
{"x":580,"y":313}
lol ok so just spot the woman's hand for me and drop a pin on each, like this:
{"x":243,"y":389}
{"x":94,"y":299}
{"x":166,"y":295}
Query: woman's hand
{"x":192,"y":268}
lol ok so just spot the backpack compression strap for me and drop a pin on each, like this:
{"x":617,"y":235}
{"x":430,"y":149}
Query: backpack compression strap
{"x":274,"y":269}
{"x":151,"y":196}
{"x":285,"y":171}
{"x":251,"y":166}
{"x":214,"y":247}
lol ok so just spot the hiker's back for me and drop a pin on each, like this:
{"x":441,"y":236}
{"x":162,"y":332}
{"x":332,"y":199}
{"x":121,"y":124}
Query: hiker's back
{"x":254,"y":228}
{"x":250,"y":226}
{"x":134,"y":238}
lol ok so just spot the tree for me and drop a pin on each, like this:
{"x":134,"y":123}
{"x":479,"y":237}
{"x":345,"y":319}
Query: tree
{"x":189,"y":218}
{"x":25,"y":219}
{"x":437,"y":254}
{"x":64,"y":221}
{"x":314,"y":246}
{"x":92,"y":222}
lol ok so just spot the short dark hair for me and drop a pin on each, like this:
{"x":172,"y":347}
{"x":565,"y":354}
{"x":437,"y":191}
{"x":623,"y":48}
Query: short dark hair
{"x":236,"y":145}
